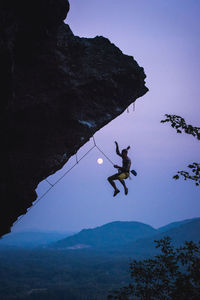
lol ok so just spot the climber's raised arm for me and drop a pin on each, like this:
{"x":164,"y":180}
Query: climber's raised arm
{"x":117,"y":149}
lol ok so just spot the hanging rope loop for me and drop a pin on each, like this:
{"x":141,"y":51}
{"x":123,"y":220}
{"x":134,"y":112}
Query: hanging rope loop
{"x":52,"y":185}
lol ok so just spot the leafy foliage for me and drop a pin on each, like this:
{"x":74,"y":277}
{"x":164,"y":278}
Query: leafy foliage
{"x":180,"y":125}
{"x":195,"y":176}
{"x":173,"y":274}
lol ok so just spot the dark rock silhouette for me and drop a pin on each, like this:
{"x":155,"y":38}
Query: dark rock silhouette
{"x":57,"y":90}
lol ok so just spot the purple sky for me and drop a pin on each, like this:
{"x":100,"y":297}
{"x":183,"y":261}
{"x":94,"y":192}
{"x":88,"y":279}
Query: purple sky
{"x":163,"y":36}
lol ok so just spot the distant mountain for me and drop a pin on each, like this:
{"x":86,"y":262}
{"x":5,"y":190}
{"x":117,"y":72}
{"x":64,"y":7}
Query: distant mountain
{"x":31,"y":239}
{"x":187,"y":231}
{"x":108,"y":236}
{"x":175,"y":224}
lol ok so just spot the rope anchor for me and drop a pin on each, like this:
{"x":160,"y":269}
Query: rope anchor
{"x":49,"y":182}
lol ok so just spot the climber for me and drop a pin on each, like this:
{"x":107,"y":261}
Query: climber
{"x":123,"y":172}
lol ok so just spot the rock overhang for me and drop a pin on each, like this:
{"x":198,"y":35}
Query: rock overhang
{"x":59,"y":89}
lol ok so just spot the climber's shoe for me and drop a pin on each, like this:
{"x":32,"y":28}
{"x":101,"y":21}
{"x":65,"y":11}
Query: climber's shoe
{"x":126,"y":191}
{"x":115,"y":193}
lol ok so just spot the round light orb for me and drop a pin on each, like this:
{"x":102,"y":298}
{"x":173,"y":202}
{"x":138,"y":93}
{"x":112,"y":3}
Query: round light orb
{"x":100,"y":161}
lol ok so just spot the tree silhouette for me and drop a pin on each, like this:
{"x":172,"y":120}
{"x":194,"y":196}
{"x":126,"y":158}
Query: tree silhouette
{"x":180,"y":125}
{"x":173,"y":274}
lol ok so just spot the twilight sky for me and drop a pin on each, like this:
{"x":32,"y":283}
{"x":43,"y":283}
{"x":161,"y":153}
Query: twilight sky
{"x":163,"y":37}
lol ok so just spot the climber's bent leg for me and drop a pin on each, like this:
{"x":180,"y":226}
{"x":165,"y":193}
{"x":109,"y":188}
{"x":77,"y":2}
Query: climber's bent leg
{"x":111,"y":181}
{"x":121,"y":178}
{"x":124,"y":185}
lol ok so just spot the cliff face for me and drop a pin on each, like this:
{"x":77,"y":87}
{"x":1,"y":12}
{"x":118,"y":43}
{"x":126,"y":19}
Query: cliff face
{"x":56,"y":91}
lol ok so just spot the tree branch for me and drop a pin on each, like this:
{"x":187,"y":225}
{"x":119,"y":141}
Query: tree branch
{"x":180,"y":125}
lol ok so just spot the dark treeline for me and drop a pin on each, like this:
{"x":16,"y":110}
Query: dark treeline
{"x":46,"y":274}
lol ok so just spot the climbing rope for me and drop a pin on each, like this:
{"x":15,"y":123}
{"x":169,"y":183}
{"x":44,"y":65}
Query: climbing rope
{"x":105,"y":155}
{"x":49,"y":182}
{"x":52,"y":185}
{"x":77,"y":161}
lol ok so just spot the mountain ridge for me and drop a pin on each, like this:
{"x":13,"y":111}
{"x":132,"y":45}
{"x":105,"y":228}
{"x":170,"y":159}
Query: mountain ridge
{"x":175,"y":224}
{"x":31,"y":239}
{"x":188,"y":231}
{"x":108,"y":235}
{"x":129,"y":236}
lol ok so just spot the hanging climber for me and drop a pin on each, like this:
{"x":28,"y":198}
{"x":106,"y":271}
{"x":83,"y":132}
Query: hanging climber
{"x":123,"y":172}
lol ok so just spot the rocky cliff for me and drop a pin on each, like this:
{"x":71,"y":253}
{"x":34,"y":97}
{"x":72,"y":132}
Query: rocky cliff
{"x":56,"y":91}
